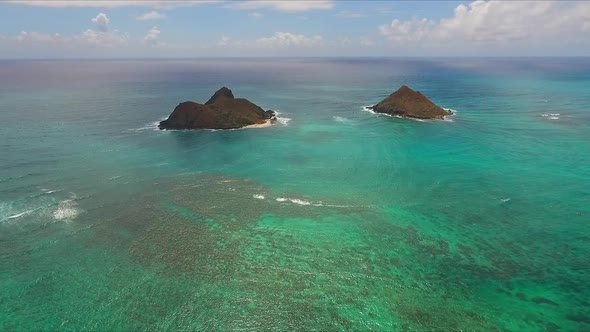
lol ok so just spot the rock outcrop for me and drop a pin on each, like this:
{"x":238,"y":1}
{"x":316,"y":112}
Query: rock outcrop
{"x":221,"y":111}
{"x":406,"y":102}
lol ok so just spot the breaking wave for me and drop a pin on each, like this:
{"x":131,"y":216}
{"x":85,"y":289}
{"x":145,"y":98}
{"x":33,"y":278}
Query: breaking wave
{"x":303,"y":202}
{"x":551,"y":116}
{"x":66,"y":210}
{"x":282,"y":120}
{"x":341,"y":119}
{"x":296,"y":201}
{"x":446,"y":118}
{"x":18,"y":215}
{"x":150,"y":126}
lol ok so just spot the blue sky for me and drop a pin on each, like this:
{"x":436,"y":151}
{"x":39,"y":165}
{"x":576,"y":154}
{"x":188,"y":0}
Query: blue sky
{"x":120,"y":28}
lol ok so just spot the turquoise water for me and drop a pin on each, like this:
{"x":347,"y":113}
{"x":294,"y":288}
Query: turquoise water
{"x":333,"y":219}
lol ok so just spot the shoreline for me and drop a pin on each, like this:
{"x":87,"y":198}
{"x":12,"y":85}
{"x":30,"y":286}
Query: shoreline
{"x":266,"y":124}
{"x":445,"y":118}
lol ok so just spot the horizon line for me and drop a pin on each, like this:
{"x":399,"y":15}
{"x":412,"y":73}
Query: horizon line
{"x":302,"y":57}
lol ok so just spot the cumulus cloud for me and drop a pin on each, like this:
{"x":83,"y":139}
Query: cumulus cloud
{"x":151,"y":16}
{"x":284,"y":5}
{"x":101,"y":21}
{"x":287,"y":39}
{"x":110,"y":3}
{"x":498,"y":21}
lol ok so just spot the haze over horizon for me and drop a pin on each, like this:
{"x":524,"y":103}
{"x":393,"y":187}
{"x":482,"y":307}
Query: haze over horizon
{"x":186,"y":29}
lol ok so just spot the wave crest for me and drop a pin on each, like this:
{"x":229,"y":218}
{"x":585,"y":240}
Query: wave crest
{"x":551,"y":116}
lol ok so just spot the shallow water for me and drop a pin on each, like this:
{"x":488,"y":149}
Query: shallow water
{"x":335,"y":218}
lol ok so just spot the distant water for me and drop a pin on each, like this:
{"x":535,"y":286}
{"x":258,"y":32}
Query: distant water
{"x":338,"y":219}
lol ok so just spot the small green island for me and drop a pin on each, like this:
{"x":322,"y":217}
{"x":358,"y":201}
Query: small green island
{"x":408,"y":103}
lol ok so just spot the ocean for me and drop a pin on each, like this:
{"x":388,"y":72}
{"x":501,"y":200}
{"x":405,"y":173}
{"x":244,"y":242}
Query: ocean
{"x":334,"y":218}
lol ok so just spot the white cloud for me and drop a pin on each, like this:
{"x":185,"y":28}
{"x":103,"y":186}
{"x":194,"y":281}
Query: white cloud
{"x":151,"y":16}
{"x":152,"y":35}
{"x":87,"y":38}
{"x":349,"y":14}
{"x":280,"y":5}
{"x":99,"y":38}
{"x":102,"y":36}
{"x":110,"y":3}
{"x":499,"y":21}
{"x":255,"y":15}
{"x":101,"y":21}
{"x":414,"y":29}
{"x":224,"y":41}
{"x":366,"y":41}
{"x":279,"y":41}
{"x":287,"y":39}
{"x":385,"y":10}
{"x":284,"y":5}
{"x":33,"y":36}
{"x":345,"y":41}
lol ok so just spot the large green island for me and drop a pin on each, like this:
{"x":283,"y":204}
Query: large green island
{"x":221,"y":111}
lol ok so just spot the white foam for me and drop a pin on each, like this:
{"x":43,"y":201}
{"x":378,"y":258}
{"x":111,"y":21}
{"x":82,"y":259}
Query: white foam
{"x":341,"y":119}
{"x":47,"y":191}
{"x":18,"y":215}
{"x":297,"y":201}
{"x":151,"y":126}
{"x":347,"y":206}
{"x":448,"y":118}
{"x":504,"y":200}
{"x":367,"y":109}
{"x":551,"y":116}
{"x":300,"y":201}
{"x":282,"y":120}
{"x":66,"y":210}
{"x":303,"y":202}
{"x":257,"y":196}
